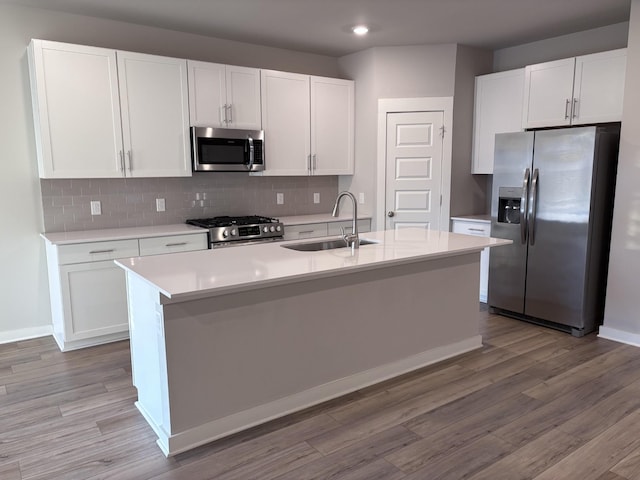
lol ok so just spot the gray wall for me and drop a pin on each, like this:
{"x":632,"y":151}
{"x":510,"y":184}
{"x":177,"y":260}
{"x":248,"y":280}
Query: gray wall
{"x":390,"y":72}
{"x":622,"y":310}
{"x":23,"y":282}
{"x":565,"y":46}
{"x":468,"y":192}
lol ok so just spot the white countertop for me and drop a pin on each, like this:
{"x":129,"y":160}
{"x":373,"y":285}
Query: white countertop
{"x":474,"y":218}
{"x":107,"y":234}
{"x":188,"y":275}
{"x":318,"y":218}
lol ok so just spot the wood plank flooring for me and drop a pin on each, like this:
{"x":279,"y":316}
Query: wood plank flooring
{"x":533,"y":403}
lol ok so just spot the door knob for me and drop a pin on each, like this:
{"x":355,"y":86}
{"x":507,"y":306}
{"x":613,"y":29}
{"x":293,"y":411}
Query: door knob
{"x":390,"y":214}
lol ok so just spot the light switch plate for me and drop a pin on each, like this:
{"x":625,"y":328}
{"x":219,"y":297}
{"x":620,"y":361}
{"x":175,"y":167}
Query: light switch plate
{"x":280,"y":198}
{"x":316,"y":197}
{"x":361,"y":197}
{"x":96,"y":208}
{"x":160,"y":206}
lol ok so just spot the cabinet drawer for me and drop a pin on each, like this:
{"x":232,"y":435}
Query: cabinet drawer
{"x":294,"y":232}
{"x":173,"y":243}
{"x":97,"y":251}
{"x":364,"y":225}
{"x":472,"y":228}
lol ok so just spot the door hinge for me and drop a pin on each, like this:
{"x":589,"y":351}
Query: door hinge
{"x":442,"y":130}
{"x":440,"y":200}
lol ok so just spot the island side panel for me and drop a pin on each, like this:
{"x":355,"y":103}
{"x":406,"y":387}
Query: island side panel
{"x":290,"y":346}
{"x":148,"y":355}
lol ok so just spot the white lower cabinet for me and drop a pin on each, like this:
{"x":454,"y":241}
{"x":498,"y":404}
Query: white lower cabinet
{"x":88,"y":291}
{"x":94,"y":298}
{"x":313,"y":230}
{"x":479,"y":228}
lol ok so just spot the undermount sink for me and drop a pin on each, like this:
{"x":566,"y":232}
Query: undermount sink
{"x":323,"y":245}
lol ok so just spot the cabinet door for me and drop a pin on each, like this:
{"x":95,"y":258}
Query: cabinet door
{"x":207,"y":94}
{"x":94,"y":298}
{"x":285,"y":120}
{"x":155,"y":115}
{"x":243,"y":98}
{"x":332,"y":108}
{"x":548,"y":94}
{"x":477,"y":229}
{"x":498,"y":109}
{"x":76,"y":110}
{"x":599,"y":87}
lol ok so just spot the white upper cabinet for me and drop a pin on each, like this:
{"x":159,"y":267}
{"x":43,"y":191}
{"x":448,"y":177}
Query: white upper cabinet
{"x":103,"y":113}
{"x":76,"y":110}
{"x":308,"y":123}
{"x":498,"y":109}
{"x":155,"y":115}
{"x":332,"y":124}
{"x":599,"y":87}
{"x":224,"y":96}
{"x":575,"y":91}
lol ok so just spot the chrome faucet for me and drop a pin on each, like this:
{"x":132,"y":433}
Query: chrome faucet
{"x":352,"y":238}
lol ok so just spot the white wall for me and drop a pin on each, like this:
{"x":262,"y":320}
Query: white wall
{"x":24,"y":297}
{"x":622,"y":308}
{"x":565,"y":46}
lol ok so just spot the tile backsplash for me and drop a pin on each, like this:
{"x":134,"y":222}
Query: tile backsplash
{"x":131,"y":202}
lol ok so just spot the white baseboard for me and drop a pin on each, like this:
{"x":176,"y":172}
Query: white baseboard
{"x":194,"y":437}
{"x":25,"y":334}
{"x":619,"y":336}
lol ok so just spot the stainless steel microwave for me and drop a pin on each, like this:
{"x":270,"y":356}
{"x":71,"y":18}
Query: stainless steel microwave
{"x":227,"y":150}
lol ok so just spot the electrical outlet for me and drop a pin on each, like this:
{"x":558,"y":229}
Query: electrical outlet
{"x":316,"y":197}
{"x":361,"y":197}
{"x":96,"y":208}
{"x":280,"y":198}
{"x":160,"y":206}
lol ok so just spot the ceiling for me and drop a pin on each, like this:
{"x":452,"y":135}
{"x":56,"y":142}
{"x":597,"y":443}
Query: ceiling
{"x":323,"y":26}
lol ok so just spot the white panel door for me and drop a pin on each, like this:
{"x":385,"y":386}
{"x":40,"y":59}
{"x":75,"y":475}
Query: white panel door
{"x":286,"y":123}
{"x":77,"y":107}
{"x":414,"y":170}
{"x":548,"y":94}
{"x":155,"y":115}
{"x":332,"y":124}
{"x":599,"y":87}
{"x":207,"y":94}
{"x":243,"y":97}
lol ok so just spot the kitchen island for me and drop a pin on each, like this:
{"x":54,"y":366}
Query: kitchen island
{"x":225,"y":339}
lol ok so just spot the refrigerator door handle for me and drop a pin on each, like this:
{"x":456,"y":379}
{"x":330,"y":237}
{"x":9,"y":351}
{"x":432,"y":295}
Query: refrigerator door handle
{"x":523,"y":206}
{"x":532,"y":208}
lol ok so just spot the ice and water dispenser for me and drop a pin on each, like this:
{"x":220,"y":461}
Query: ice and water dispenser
{"x":509,"y":200}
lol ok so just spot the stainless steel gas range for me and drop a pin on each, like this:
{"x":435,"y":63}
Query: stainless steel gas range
{"x":226,"y":231}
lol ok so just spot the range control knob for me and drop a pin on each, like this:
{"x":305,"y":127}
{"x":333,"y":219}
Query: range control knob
{"x":272,"y":228}
{"x":265,"y":229}
{"x":233,"y":232}
{"x":225,"y":233}
{"x":278,"y":228}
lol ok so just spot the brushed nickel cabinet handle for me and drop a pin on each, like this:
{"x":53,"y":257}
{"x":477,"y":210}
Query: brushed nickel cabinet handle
{"x":102,"y":251}
{"x":177,"y":244}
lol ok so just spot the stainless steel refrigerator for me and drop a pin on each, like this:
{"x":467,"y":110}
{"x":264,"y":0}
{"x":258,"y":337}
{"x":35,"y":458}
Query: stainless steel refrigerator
{"x":553,"y":195}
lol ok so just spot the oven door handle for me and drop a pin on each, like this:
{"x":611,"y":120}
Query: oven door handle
{"x":251,"y":152}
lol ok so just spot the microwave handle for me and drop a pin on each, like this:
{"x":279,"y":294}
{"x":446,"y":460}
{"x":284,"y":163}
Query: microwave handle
{"x":251,"y":152}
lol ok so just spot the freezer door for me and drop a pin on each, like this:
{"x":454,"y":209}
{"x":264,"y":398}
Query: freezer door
{"x":557,"y":259}
{"x":507,"y":264}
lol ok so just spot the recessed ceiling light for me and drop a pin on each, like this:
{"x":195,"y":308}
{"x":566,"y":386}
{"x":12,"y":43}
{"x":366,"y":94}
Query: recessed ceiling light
{"x":360,"y":29}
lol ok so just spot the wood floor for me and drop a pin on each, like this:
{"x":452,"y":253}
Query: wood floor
{"x":532,"y":404}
